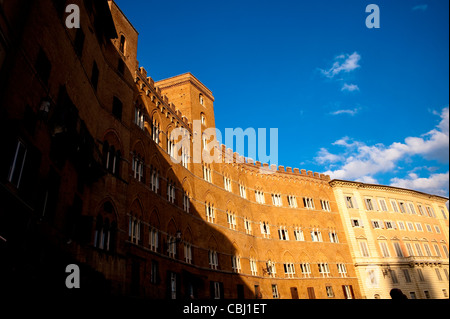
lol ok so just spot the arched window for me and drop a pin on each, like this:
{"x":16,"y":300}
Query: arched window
{"x":203,"y":118}
{"x":122,"y":44}
{"x":111,"y":159}
{"x":155,"y":131}
{"x":201,"y":99}
{"x":138,"y":167}
{"x":105,"y":231}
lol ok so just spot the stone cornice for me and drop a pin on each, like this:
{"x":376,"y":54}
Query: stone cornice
{"x":391,"y":189}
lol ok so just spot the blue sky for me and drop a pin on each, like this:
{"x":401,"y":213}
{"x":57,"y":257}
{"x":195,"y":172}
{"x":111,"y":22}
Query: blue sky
{"x":361,"y":104}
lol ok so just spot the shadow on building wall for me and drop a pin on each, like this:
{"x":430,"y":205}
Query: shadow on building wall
{"x":67,"y":201}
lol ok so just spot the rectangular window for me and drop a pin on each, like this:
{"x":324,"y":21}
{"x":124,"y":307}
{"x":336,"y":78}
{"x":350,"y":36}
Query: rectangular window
{"x":393,"y":276}
{"x":236,"y":264}
{"x":242,"y":191}
{"x":276,"y":200}
{"x":383,"y":205}
{"x":384,"y":249}
{"x":154,"y":239}
{"x":438,"y":230}
{"x":43,"y":66}
{"x":402,"y":207}
{"x":420,"y":273}
{"x":275,"y":293}
{"x":253,"y":267}
{"x":412,"y":295}
{"x":419,"y":227}
{"x":316,"y":236}
{"x":420,"y":210}
{"x":325,"y":205}
{"x":292,"y":200}
{"x":324,"y":270}
{"x":376,"y":224}
{"x":311,"y":293}
{"x":248,"y":226}
{"x":308,"y":203}
{"x":437,"y":250}
{"x":213,"y":260}
{"x":443,"y":212}
{"x":419,"y":250}
{"x":407,"y":276}
{"x":227,"y":183}
{"x":154,"y":273}
{"x":438,"y":274}
{"x":348,"y":291}
{"x":412,"y":209}
{"x":231,"y":219}
{"x":260,"y":199}
{"x":283,"y":233}
{"x":394,"y":205}
{"x":364,"y":249}
{"x":445,"y":250}
{"x":299,"y":235}
{"x":342,"y":270}
{"x":369,"y":204}
{"x":95,"y":75}
{"x":289,"y":270}
{"x":398,"y":249}
{"x":306,"y":270}
{"x":171,"y":246}
{"x":271,"y":269}
{"x":17,"y":165}
{"x":186,"y":203}
{"x":356,"y":222}
{"x":431,"y":212}
{"x":79,"y":42}
{"x":401,"y":225}
{"x":330,"y":293}
{"x":210,"y":215}
{"x":333,"y":237}
{"x":427,"y":250}
{"x":410,"y":249}
{"x":349,"y":202}
{"x":117,"y":108}
{"x":188,"y":253}
{"x":265,"y":229}
{"x":121,"y":66}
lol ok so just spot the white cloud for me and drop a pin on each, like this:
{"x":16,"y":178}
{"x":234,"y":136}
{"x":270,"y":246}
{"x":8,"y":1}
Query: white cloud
{"x":350,"y":87}
{"x":435,"y":184}
{"x":421,"y":7}
{"x":361,"y":161}
{"x":350,"y":112}
{"x":345,"y":63}
{"x":327,"y":157}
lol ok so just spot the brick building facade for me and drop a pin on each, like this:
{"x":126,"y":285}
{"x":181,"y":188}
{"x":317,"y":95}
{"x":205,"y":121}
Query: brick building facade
{"x":88,"y":177}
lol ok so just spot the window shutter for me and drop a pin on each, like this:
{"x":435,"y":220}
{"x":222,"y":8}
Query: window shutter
{"x":375,"y":204}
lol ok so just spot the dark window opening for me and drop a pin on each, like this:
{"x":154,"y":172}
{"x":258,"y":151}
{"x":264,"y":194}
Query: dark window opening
{"x":117,"y":108}
{"x":43,"y":66}
{"x":95,"y":76}
{"x":79,"y":42}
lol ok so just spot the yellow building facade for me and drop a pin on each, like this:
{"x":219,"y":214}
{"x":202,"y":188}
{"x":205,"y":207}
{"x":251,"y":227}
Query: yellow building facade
{"x":398,"y":239}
